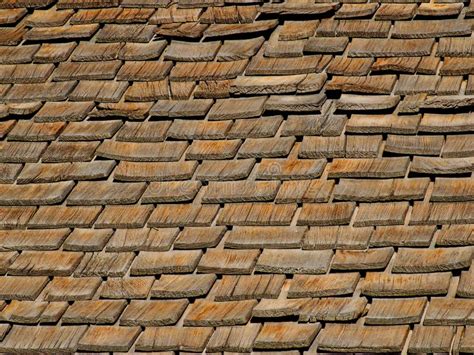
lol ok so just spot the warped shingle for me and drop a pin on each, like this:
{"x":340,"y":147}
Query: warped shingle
{"x":338,"y":237}
{"x":34,"y":194}
{"x":228,"y":261}
{"x":440,"y":166}
{"x":442,"y":213}
{"x":221,"y":30}
{"x":239,"y":49}
{"x":226,"y":109}
{"x":62,"y":32}
{"x":379,"y":284}
{"x":126,"y":33}
{"x":102,"y":193}
{"x":90,"y":130}
{"x":182,"y":286}
{"x":260,"y":65}
{"x":319,"y":214}
{"x":430,"y":28}
{"x":54,"y":52}
{"x":364,"y":47}
{"x":150,"y":263}
{"x":396,"y":311}
{"x":416,"y":145}
{"x":155,"y":171}
{"x":373,"y":168}
{"x":362,"y":259}
{"x":131,"y":287}
{"x":381,"y":190}
{"x":302,"y":286}
{"x":432,"y":260}
{"x":163,"y":151}
{"x":50,"y":173}
{"x":62,"y":111}
{"x":350,"y":102}
{"x":396,"y":11}
{"x":294,"y":261}
{"x":203,"y":313}
{"x":414,"y":236}
{"x":302,"y":103}
{"x":207,"y":70}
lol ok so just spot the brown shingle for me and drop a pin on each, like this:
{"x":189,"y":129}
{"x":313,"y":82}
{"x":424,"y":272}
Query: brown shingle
{"x":45,"y":263}
{"x":302,"y":286}
{"x":178,"y":261}
{"x":153,"y":313}
{"x":286,"y":335}
{"x":53,"y":339}
{"x":442,"y":213}
{"x":319,"y":214}
{"x":364,"y":47}
{"x":174,"y":338}
{"x":128,"y":287}
{"x":254,"y":214}
{"x":415,"y":236}
{"x":356,"y":338}
{"x":182,"y":286}
{"x":396,"y":311}
{"x":371,"y":168}
{"x":104,"y":264}
{"x":70,"y":289}
{"x":176,"y":215}
{"x":236,"y":338}
{"x":294,"y":261}
{"x":158,"y":171}
{"x":432,"y":260}
{"x":15,"y":287}
{"x":131,"y":151}
{"x":108,"y":338}
{"x":362,"y":259}
{"x":103,"y":193}
{"x":386,"y":285}
{"x":213,"y":150}
{"x":388,"y":213}
{"x":87,"y":240}
{"x":430,"y":28}
{"x":448,"y":311}
{"x":50,"y":173}
{"x":63,"y":217}
{"x":228,"y":261}
{"x":94,"y":312}
{"x":124,"y":216}
{"x":431,"y":339}
{"x":264,"y":237}
{"x":34,"y":194}
{"x":242,"y":287}
{"x":337,"y":237}
{"x":205,"y":313}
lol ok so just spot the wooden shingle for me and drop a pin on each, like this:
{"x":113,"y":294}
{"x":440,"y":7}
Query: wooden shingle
{"x":243,"y":287}
{"x":205,"y":313}
{"x":302,"y":286}
{"x":286,"y":335}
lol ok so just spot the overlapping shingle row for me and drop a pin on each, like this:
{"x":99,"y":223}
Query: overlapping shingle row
{"x":236,"y":176}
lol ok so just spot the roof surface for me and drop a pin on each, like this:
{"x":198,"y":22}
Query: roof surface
{"x":236,"y":175}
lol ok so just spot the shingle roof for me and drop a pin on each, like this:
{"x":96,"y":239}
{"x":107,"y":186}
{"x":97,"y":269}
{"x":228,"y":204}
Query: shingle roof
{"x":236,"y":176}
